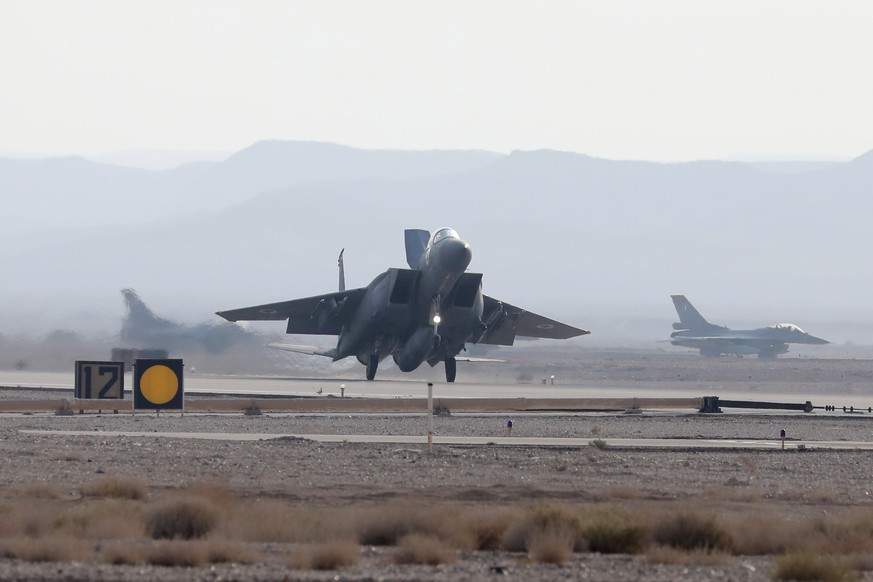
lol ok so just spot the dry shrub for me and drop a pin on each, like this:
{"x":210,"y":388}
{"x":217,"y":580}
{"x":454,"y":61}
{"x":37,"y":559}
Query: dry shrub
{"x":270,"y":521}
{"x":216,"y":493}
{"x":463,"y":528}
{"x":104,"y":519}
{"x":34,"y":519}
{"x":552,"y":545}
{"x":327,"y":556}
{"x":862,"y":563}
{"x":381,"y":525}
{"x":557,"y":520}
{"x":385,"y":525}
{"x":809,"y":566}
{"x":821,"y":495}
{"x":598,"y":444}
{"x":68,"y":457}
{"x":624,"y":492}
{"x":123,"y":553}
{"x":47,"y":549}
{"x":488,"y":527}
{"x":179,"y":553}
{"x":676,"y":557}
{"x":423,"y":549}
{"x":185,"y":554}
{"x":749,"y":463}
{"x":614,"y":535}
{"x":845,"y":535}
{"x":186,"y":518}
{"x":666,"y":555}
{"x":41,"y":491}
{"x":116,"y":487}
{"x":763,"y":534}
{"x":690,"y":531}
{"x":223,"y":551}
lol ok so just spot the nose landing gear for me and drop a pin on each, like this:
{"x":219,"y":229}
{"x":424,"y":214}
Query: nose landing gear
{"x":372,"y":365}
{"x":451,"y":369}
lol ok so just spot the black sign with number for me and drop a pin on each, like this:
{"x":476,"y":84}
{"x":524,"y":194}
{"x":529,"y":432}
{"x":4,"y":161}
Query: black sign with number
{"x":99,"y":380}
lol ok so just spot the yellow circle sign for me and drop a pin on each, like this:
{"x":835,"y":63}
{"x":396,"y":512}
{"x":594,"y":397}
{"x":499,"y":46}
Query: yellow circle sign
{"x":159,"y":384}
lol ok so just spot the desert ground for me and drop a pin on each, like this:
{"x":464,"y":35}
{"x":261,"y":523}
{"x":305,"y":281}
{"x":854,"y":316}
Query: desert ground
{"x":99,"y":506}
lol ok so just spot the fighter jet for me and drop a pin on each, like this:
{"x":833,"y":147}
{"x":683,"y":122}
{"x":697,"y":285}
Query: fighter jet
{"x":427,"y":313}
{"x":142,"y":328}
{"x":714,"y":340}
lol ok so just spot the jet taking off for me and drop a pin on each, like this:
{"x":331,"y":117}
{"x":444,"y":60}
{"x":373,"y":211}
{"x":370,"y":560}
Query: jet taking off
{"x":426,"y":313}
{"x":714,"y":340}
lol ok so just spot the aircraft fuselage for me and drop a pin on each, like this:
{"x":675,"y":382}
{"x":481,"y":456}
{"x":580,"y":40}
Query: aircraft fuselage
{"x":396,"y":315}
{"x":693,"y":331}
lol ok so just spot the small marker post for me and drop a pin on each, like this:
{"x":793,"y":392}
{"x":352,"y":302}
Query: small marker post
{"x":782,"y":436}
{"x":430,"y":417}
{"x":509,"y":427}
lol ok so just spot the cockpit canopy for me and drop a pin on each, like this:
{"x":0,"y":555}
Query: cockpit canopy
{"x":441,"y":234}
{"x":790,"y":327}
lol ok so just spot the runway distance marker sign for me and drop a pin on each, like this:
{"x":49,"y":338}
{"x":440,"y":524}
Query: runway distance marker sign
{"x":99,"y":380}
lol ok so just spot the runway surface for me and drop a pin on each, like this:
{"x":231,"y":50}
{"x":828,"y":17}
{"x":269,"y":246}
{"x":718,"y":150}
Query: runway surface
{"x":750,"y":444}
{"x":245,"y":386}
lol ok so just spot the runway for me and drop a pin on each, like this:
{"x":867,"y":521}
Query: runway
{"x":273,"y":386}
{"x":621,"y":443}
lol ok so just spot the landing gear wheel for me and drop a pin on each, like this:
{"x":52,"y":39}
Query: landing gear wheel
{"x":372,"y":364}
{"x":451,"y":369}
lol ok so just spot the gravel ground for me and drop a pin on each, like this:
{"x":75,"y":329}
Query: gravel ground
{"x":300,"y":472}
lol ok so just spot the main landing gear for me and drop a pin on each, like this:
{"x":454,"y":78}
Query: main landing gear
{"x":451,"y":369}
{"x":372,"y":365}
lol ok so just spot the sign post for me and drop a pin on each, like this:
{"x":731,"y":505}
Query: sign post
{"x":430,"y":417}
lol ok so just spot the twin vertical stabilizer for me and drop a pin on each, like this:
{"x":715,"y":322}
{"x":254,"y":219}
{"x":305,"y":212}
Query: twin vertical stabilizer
{"x":416,"y":243}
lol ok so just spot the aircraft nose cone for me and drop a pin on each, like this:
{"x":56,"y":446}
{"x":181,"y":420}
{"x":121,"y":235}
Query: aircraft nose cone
{"x":818,"y":340}
{"x":455,"y":255}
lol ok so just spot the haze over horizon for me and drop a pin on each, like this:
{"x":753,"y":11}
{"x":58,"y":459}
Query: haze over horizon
{"x":633,"y":80}
{"x":528,"y":127}
{"x":600,"y":243}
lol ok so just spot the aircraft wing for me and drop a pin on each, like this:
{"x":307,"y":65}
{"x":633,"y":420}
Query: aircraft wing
{"x":504,"y":322}
{"x":321,"y":314}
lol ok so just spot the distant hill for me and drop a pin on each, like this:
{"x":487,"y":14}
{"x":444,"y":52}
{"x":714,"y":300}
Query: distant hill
{"x":567,"y":235}
{"x":151,"y":159}
{"x":72,"y":192}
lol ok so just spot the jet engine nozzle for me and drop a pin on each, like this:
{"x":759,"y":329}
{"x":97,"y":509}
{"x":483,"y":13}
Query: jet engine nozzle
{"x":454,"y":255}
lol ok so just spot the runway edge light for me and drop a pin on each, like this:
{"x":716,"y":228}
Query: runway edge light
{"x":158,"y":384}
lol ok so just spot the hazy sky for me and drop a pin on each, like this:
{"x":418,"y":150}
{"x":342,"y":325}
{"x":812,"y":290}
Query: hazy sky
{"x":665,"y":80}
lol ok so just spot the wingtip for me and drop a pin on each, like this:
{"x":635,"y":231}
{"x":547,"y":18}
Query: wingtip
{"x":223,"y":314}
